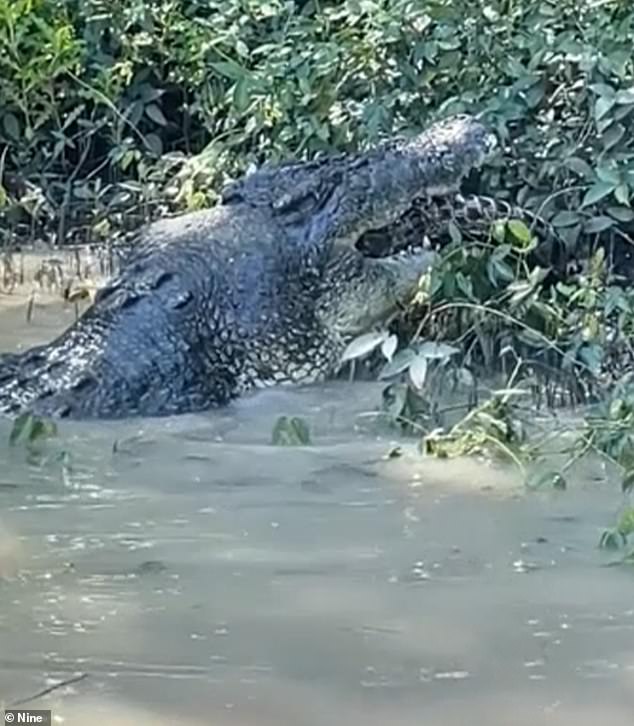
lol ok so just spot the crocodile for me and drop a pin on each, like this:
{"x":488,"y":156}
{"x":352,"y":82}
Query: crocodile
{"x":263,"y":289}
{"x":471,"y":215}
{"x":559,"y":373}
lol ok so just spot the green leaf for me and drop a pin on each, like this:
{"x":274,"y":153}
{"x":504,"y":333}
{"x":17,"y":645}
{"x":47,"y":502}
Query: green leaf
{"x":230,"y":69}
{"x":149,"y":93}
{"x":612,"y":135}
{"x":570,"y":235}
{"x":608,"y":173}
{"x":612,"y":539}
{"x":389,"y":346}
{"x":622,"y":194}
{"x":604,"y":123}
{"x":625,"y":96}
{"x":622,"y":111}
{"x":603,"y":89}
{"x":597,"y":192}
{"x":602,"y":106}
{"x":242,"y":94}
{"x":11,"y":126}
{"x":621,"y":214}
{"x":242,"y":49}
{"x":520,"y":231}
{"x":465,"y":285}
{"x":154,"y":112}
{"x":134,"y":112}
{"x":592,"y":355}
{"x":418,"y":371}
{"x":364,"y":344}
{"x":521,"y":290}
{"x":625,"y":525}
{"x":436,"y":351}
{"x":500,"y":271}
{"x":535,"y":95}
{"x":565,"y":218}
{"x":28,"y":428}
{"x":400,"y":362}
{"x":597,"y":224}
{"x":154,"y":143}
{"x":454,"y":232}
{"x":498,"y":230}
{"x":580,"y":167}
{"x":501,"y":252}
{"x":290,"y":432}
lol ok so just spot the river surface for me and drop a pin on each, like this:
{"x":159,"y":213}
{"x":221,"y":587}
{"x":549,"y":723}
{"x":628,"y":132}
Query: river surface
{"x":192,"y":573}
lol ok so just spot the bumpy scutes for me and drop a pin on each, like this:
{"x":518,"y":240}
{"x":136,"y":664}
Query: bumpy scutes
{"x":340,"y":197}
{"x":261,"y":290}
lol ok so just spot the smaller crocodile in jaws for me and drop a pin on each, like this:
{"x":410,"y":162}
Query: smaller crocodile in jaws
{"x":264,"y":289}
{"x":474,"y":215}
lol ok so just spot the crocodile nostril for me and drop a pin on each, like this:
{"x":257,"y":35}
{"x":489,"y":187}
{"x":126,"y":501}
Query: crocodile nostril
{"x":63,"y":411}
{"x":181,"y":300}
{"x":129,"y":301}
{"x":84,"y":384}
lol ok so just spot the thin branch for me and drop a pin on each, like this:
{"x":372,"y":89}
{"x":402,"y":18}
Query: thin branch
{"x":50,"y":689}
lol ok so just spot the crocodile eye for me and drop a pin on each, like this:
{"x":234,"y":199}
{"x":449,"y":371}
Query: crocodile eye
{"x":232,"y":193}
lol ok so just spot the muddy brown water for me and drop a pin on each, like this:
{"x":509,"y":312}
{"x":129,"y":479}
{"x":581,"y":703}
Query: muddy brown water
{"x":198,"y":575}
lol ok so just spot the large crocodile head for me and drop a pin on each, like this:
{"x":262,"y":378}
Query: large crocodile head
{"x":264,"y":289}
{"x":341,"y":197}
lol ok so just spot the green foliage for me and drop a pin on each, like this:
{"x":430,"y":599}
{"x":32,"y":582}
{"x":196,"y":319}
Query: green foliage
{"x":491,"y":428}
{"x":619,"y":536}
{"x":136,"y":107}
{"x":31,"y":435}
{"x":29,"y":429}
{"x":290,"y":431}
{"x":495,"y":312}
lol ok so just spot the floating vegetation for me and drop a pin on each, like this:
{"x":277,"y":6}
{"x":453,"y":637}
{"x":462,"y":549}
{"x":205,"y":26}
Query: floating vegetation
{"x":29,"y":429}
{"x":290,"y":431}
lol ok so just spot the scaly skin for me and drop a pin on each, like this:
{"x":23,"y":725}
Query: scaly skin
{"x":339,"y":198}
{"x":473,"y":215}
{"x":262,"y":290}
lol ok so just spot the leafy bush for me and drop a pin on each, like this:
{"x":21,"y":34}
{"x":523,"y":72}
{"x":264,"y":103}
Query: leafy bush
{"x":113,"y":112}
